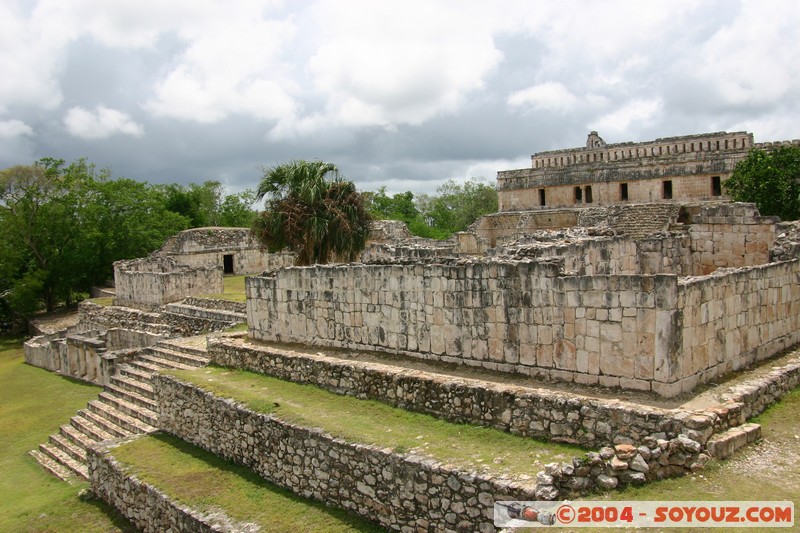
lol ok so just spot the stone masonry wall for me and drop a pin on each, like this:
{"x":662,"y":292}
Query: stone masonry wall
{"x":402,"y":492}
{"x":731,"y":319}
{"x":148,"y":508}
{"x":614,"y":330}
{"x":517,"y":317}
{"x":156,"y":281}
{"x":538,"y":413}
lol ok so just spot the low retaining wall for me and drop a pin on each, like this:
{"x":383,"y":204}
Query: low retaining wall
{"x":149,"y":509}
{"x":398,"y":491}
{"x":538,"y":413}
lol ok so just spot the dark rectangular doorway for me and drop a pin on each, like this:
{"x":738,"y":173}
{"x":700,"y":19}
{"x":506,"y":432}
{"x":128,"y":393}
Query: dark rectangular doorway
{"x":227,"y":263}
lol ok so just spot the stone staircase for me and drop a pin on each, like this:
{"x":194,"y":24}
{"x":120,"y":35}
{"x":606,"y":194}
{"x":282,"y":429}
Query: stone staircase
{"x":641,"y":220}
{"x":126,"y":407}
{"x":197,"y":315}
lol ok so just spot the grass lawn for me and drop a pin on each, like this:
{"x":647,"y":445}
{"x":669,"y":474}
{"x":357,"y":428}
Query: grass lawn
{"x":33,"y":404}
{"x":376,"y":423}
{"x":206,"y":482}
{"x":233,"y":290}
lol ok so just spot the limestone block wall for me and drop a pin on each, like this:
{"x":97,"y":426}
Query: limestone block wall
{"x":244,"y":261}
{"x":93,"y":316}
{"x":728,"y":235}
{"x":156,"y":281}
{"x":645,"y":332}
{"x":732,"y":318}
{"x":518,"y":316}
{"x":399,"y":491}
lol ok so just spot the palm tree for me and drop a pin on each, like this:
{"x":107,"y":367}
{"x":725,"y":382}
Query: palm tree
{"x":312,"y":211}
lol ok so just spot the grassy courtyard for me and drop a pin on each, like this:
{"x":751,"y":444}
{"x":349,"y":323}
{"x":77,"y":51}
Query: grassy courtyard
{"x":33,"y":404}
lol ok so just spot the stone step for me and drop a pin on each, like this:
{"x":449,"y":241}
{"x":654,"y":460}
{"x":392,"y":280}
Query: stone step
{"x":106,"y":424}
{"x":142,"y":414}
{"x":205,"y":313}
{"x":53,"y":467}
{"x":157,"y":363}
{"x":132,"y":397}
{"x":88,"y":427}
{"x":77,"y":437}
{"x":125,"y":421}
{"x":127,"y":370}
{"x":68,"y":447}
{"x":193,"y":345}
{"x":63,"y":458}
{"x":725,"y":444}
{"x":178,"y":356}
{"x":135,"y":385}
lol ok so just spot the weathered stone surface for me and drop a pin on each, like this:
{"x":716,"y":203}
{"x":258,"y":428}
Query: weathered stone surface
{"x":606,"y":482}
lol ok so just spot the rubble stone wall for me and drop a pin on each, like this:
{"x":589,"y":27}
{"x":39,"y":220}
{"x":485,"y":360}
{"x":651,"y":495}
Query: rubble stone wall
{"x":244,"y":261}
{"x":403,"y":491}
{"x":148,"y":508}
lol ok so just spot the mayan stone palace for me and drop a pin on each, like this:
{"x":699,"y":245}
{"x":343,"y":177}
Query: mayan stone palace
{"x":610,"y":304}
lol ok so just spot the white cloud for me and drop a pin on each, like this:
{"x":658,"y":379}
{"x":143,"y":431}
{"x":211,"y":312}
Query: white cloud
{"x":14,"y":128}
{"x":101,"y":123}
{"x":636,"y":113}
{"x":750,"y":61}
{"x":550,"y":96}
{"x":390,"y":63}
{"x":230,"y":66}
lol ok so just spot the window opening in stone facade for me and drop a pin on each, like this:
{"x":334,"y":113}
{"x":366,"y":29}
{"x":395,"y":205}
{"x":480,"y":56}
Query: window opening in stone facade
{"x":541,"y":197}
{"x":578,"y":195}
{"x":227,"y":263}
{"x":587,"y":193}
{"x":623,"y":191}
{"x":666,"y":191}
{"x":716,"y":186}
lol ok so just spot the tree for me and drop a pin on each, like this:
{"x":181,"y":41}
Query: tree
{"x":312,"y":211}
{"x":62,"y":226}
{"x":770,"y":179}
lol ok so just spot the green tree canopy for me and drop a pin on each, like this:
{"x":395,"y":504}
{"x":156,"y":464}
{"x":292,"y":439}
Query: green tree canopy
{"x":312,"y":211}
{"x":63,"y":225}
{"x":453,"y":208}
{"x":770,"y":179}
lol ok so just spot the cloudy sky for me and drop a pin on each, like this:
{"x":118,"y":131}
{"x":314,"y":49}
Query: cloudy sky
{"x":399,"y":93}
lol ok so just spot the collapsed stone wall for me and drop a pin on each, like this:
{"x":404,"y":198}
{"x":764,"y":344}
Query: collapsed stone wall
{"x":633,"y":331}
{"x":93,"y":316}
{"x":399,"y":491}
{"x":156,"y":281}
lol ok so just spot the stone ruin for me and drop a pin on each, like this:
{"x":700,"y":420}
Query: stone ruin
{"x":650,"y":299}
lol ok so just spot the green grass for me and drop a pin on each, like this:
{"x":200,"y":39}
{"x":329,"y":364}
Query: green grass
{"x":381,"y":425}
{"x":233,"y":290}
{"x":205,"y":482}
{"x":105,"y":301}
{"x":33,"y":404}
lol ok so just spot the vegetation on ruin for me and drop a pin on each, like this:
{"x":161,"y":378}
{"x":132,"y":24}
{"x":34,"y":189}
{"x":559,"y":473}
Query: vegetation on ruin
{"x":453,"y":208}
{"x":204,"y":481}
{"x":371,"y":422}
{"x":34,"y":403}
{"x":770,"y":179}
{"x":312,"y":211}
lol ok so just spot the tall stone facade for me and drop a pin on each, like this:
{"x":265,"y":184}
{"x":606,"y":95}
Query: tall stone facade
{"x":688,"y":168}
